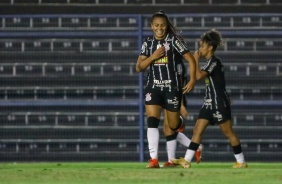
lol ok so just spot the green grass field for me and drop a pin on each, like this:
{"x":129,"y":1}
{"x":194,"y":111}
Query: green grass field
{"x":132,"y":173}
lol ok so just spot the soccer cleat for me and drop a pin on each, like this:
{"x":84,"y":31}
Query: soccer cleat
{"x":182,"y":126}
{"x":181,"y":162}
{"x":154,"y":163}
{"x":169,"y":164}
{"x":240,"y":165}
{"x":198,"y":153}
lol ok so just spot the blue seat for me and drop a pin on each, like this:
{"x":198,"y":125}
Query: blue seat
{"x":66,"y":46}
{"x":45,"y":22}
{"x":11,"y":45}
{"x":12,"y":119}
{"x":103,"y":22}
{"x":217,"y":21}
{"x":75,"y":22}
{"x":37,"y":46}
{"x":17,"y":22}
{"x":246,"y":21}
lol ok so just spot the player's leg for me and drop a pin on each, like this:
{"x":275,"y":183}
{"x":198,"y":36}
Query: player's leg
{"x":170,"y":142}
{"x":227,"y":130}
{"x":153,"y":118}
{"x":198,"y":130}
{"x":172,"y":106}
{"x":182,"y":139}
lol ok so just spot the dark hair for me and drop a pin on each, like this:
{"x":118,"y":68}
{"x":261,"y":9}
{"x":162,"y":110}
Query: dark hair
{"x":213,"y":38}
{"x":171,"y":29}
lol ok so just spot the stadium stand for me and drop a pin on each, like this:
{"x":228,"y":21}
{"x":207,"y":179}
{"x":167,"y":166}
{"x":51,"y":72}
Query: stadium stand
{"x":69,"y":90}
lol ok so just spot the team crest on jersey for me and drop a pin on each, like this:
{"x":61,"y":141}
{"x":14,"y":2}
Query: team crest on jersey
{"x":166,"y":45}
{"x":148,"y":97}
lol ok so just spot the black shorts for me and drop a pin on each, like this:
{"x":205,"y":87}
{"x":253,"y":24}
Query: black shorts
{"x":215,"y":113}
{"x":169,"y":100}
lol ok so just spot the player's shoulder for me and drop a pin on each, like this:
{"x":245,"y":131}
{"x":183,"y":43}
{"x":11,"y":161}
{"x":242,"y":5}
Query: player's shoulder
{"x":215,"y":59}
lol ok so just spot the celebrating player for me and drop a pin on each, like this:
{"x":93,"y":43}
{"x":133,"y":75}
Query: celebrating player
{"x":161,"y":53}
{"x":216,"y":108}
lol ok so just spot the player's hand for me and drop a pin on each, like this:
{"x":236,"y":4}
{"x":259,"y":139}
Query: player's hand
{"x":160,"y":52}
{"x":189,"y":86}
{"x":197,"y":55}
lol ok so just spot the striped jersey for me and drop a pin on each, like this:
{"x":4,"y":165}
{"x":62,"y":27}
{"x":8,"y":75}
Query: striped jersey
{"x":163,"y":74}
{"x":215,"y":81}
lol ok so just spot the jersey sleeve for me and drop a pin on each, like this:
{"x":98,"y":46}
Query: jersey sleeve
{"x":180,"y":46}
{"x":144,"y":49}
{"x":209,"y":67}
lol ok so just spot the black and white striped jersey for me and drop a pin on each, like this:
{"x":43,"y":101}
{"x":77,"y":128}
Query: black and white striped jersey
{"x":163,"y":73}
{"x":215,"y":81}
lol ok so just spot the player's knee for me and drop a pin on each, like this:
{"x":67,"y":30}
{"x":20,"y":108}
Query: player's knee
{"x":176,"y":126}
{"x":171,"y":137}
{"x":153,"y":122}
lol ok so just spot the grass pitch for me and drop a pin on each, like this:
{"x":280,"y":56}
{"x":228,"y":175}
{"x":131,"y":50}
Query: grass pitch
{"x":134,"y":173}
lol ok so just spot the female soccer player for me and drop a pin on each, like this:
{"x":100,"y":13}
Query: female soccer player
{"x":216,"y":108}
{"x":161,"y":52}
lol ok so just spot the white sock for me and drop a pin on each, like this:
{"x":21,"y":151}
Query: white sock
{"x":182,"y":139}
{"x":153,"y":142}
{"x":189,"y":155}
{"x":170,"y":149}
{"x":240,"y":158}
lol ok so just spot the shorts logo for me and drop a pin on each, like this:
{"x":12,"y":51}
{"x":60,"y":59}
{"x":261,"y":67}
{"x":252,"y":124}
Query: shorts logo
{"x":174,"y":101}
{"x":218,"y":116}
{"x":148,"y":97}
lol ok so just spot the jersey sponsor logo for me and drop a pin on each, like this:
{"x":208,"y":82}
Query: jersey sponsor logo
{"x":148,"y":97}
{"x":174,"y":101}
{"x":180,"y":46}
{"x":162,"y":83}
{"x":207,"y":81}
{"x":163,"y":60}
{"x":211,"y":67}
{"x":218,"y":116}
{"x":208,"y":103}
